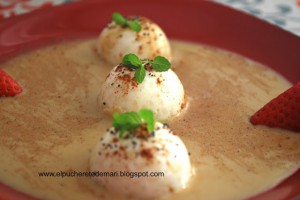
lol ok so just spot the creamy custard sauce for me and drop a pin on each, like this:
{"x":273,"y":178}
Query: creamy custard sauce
{"x":55,"y":122}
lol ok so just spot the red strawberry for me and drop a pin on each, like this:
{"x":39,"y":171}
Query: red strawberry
{"x":282,"y":111}
{"x":8,"y":86}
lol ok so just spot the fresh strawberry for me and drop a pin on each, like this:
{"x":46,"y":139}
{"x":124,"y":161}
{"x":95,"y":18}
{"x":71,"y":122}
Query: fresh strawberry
{"x":282,"y":111}
{"x":8,"y":86}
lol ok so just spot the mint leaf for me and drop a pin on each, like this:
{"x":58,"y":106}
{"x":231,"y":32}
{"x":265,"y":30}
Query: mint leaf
{"x":140,"y":74}
{"x":135,"y":26}
{"x":131,"y":60}
{"x":126,"y":122}
{"x":148,"y":117}
{"x":119,"y":19}
{"x":122,"y":21}
{"x":161,"y":64}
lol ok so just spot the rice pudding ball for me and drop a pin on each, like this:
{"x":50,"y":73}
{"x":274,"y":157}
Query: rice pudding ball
{"x":115,"y":41}
{"x":161,"y":92}
{"x":146,"y":166}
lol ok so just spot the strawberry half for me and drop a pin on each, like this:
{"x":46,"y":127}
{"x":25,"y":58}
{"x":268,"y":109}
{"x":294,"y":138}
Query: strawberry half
{"x":8,"y":86}
{"x":282,"y":111}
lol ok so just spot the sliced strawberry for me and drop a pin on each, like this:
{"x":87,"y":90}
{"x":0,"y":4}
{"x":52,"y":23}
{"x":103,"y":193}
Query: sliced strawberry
{"x":282,"y":111}
{"x":8,"y":86}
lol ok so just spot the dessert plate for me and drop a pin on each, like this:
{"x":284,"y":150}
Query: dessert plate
{"x":192,"y":20}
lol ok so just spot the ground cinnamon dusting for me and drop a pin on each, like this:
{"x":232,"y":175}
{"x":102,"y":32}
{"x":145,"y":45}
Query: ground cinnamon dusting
{"x":128,"y":80}
{"x":115,"y":140}
{"x":62,"y":109}
{"x":147,"y":153}
{"x":184,"y":102}
{"x":31,"y":107}
{"x":158,"y":80}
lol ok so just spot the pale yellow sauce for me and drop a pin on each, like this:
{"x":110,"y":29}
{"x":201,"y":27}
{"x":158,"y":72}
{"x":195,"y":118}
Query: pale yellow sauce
{"x":55,"y":122}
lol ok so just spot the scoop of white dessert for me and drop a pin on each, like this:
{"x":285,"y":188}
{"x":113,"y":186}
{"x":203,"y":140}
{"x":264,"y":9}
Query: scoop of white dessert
{"x":161,"y":92}
{"x":146,"y":165}
{"x":115,"y":41}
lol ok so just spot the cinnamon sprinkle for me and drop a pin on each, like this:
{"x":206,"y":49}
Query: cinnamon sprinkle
{"x":147,"y":153}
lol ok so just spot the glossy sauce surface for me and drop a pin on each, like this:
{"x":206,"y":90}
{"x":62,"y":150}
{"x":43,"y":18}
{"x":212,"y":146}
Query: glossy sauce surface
{"x":56,"y":122}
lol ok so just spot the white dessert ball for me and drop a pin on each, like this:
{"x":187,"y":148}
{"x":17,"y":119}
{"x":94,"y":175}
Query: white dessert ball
{"x":161,"y":92}
{"x":116,"y":41}
{"x":144,"y":167}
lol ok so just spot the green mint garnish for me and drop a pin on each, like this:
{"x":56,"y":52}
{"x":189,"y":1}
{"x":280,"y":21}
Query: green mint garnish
{"x":159,"y":64}
{"x":140,"y":74}
{"x":126,"y":122}
{"x":129,"y":121}
{"x":135,"y":26}
{"x":119,"y":19}
{"x":148,"y":117}
{"x":131,"y":60}
{"x":122,"y":21}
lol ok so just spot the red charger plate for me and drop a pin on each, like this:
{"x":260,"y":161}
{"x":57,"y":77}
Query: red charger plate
{"x":192,"y":20}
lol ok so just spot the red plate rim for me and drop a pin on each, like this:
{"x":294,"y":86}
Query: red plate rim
{"x":192,"y":20}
